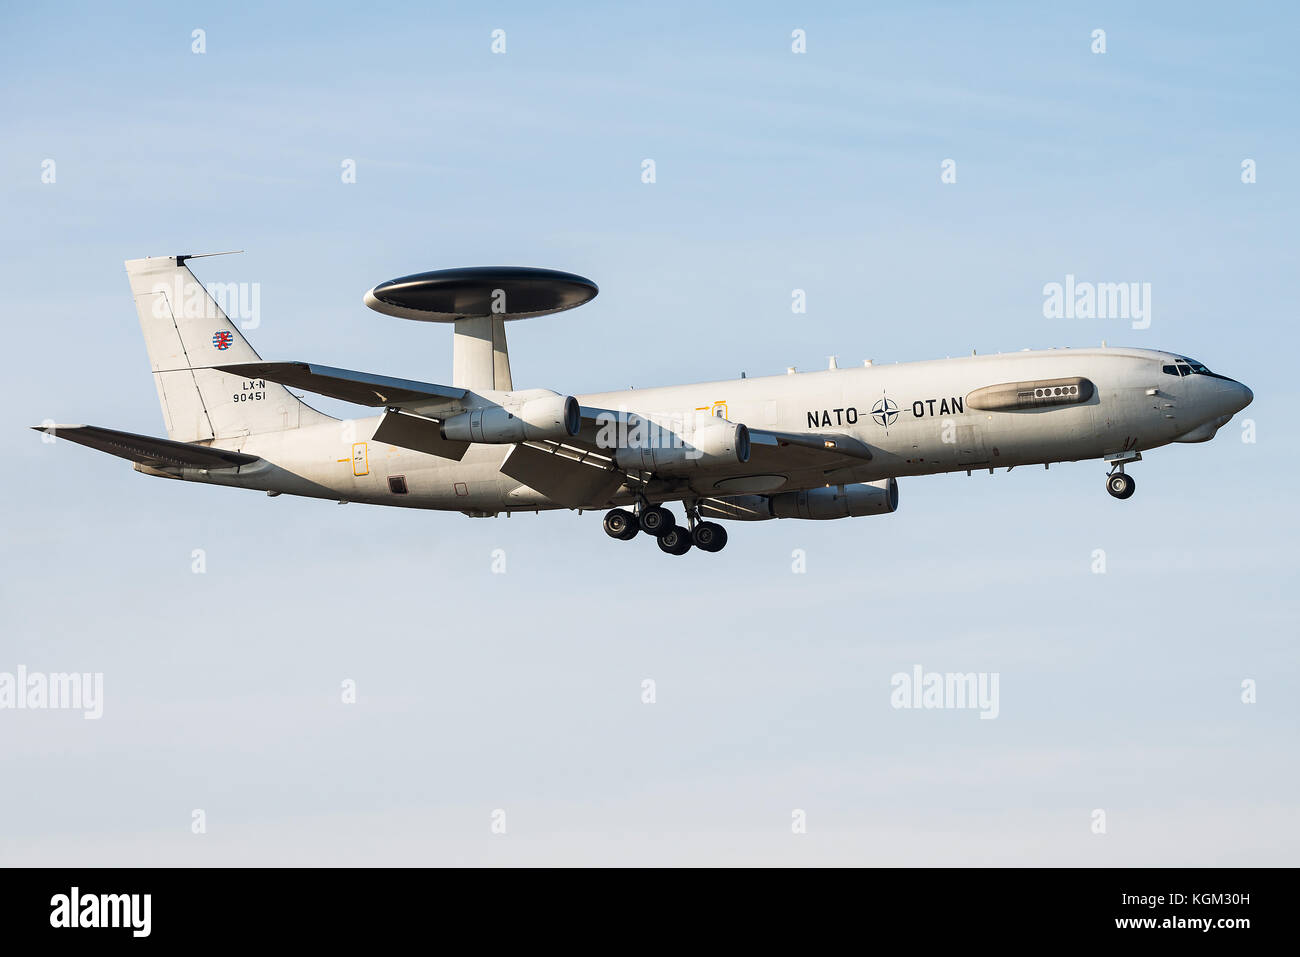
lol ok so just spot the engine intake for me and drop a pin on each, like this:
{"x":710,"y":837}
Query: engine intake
{"x":554,"y":417}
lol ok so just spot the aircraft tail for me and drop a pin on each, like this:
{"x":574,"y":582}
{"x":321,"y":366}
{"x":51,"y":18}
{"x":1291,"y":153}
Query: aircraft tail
{"x":187,"y":333}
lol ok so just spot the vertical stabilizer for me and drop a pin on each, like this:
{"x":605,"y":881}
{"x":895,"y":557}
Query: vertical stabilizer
{"x":186,"y":333}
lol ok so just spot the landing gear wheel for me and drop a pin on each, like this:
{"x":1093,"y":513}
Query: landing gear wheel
{"x":675,"y":541}
{"x":709,"y":537}
{"x":1120,"y":485}
{"x":657,"y":521}
{"x":620,"y":524}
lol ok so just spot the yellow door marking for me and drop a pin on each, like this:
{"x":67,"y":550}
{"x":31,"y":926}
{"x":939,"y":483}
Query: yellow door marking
{"x":360,"y":459}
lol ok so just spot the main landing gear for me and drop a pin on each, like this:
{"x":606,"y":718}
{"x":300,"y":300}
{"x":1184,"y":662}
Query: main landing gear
{"x":621,"y":524}
{"x":675,"y":541}
{"x":658,"y":522}
{"x":1118,"y":483}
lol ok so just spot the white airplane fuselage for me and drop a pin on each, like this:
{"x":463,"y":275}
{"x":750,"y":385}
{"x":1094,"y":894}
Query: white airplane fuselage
{"x":917,"y":419}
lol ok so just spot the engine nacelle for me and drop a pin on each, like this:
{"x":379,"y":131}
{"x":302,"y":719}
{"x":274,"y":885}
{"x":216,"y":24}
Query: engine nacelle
{"x":838,"y":501}
{"x":554,"y":417}
{"x":656,"y":449}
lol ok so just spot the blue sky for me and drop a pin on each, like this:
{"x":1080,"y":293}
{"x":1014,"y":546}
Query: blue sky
{"x":522,"y":691}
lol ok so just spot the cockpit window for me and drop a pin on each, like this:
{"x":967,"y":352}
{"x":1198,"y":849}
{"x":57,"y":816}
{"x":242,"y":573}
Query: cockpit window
{"x":1185,"y":366}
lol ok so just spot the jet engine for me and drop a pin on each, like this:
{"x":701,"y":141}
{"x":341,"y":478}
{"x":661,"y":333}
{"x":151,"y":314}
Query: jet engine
{"x":546,"y":417}
{"x":656,"y":449}
{"x":819,"y":504}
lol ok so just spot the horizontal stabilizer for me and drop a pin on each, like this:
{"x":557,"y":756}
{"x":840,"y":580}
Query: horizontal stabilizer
{"x":146,"y":450}
{"x":361,"y":388}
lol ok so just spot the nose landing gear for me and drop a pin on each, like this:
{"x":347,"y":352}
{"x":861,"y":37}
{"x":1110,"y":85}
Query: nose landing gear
{"x":1118,"y":484}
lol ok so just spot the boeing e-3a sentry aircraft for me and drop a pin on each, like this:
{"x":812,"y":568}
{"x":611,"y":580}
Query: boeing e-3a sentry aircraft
{"x":814,"y":445}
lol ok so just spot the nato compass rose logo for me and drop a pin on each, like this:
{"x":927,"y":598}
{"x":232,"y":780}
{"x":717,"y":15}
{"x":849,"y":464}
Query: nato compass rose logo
{"x":222,"y":340}
{"x":885,"y":412}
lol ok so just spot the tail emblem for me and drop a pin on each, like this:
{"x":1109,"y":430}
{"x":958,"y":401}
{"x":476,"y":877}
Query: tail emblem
{"x":222,"y":340}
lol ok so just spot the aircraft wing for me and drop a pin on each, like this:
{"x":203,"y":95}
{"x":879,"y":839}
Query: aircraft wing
{"x":361,"y":388}
{"x":146,"y":450}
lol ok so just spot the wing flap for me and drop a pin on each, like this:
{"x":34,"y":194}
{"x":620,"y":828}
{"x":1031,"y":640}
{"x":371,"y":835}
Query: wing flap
{"x":410,"y":431}
{"x":147,"y":450}
{"x":564,"y":479}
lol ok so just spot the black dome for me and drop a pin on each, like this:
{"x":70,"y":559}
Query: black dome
{"x":510,"y":292}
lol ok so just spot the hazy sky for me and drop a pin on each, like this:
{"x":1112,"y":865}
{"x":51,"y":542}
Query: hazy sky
{"x":522,"y":691}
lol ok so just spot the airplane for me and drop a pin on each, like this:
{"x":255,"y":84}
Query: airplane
{"x":822,"y":445}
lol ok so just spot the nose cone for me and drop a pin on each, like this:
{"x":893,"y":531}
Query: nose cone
{"x":1239,"y":396}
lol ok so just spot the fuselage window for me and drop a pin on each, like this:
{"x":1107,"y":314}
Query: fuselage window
{"x":1169,"y":370}
{"x":1184,"y":369}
